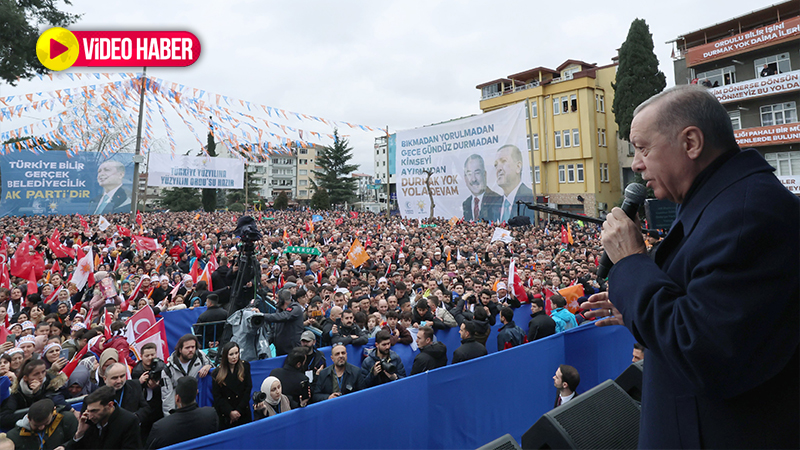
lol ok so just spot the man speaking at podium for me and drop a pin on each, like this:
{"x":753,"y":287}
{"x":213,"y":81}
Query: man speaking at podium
{"x":717,"y":307}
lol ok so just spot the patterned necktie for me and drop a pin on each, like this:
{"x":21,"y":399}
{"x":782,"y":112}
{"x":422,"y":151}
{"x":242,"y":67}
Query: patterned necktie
{"x":475,"y":210}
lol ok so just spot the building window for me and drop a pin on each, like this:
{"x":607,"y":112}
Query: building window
{"x":302,"y":182}
{"x":775,"y":64}
{"x":528,"y":141}
{"x":556,"y":107}
{"x":274,"y":160}
{"x":566,"y":139}
{"x":567,"y":74}
{"x":303,"y":162}
{"x":534,"y":109}
{"x":736,"y":119}
{"x":580,"y":173}
{"x":602,"y":103}
{"x":597,"y":102}
{"x":562,"y":176}
{"x":778,"y":114}
{"x":565,"y":104}
{"x":570,"y":173}
{"x":303,"y":172}
{"x":785,"y":163}
{"x":536,"y":176}
{"x":378,"y":151}
{"x":491,"y":90}
{"x":576,"y":137}
{"x":303,"y":192}
{"x":303,"y":151}
{"x":536,"y":141}
{"x":573,"y":101}
{"x":719,"y":77}
{"x":604,"y":172}
{"x":558,"y":139}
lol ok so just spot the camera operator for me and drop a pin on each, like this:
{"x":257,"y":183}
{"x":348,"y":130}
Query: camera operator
{"x":294,"y":381}
{"x":348,"y":333}
{"x":339,"y":379}
{"x":145,"y":364}
{"x":151,"y":390}
{"x":288,"y":323}
{"x":382,"y":364}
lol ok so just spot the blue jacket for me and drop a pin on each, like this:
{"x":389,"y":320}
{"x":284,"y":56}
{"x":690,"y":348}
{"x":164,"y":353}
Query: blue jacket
{"x":564,"y":319}
{"x":510,"y":334}
{"x":718,"y":312}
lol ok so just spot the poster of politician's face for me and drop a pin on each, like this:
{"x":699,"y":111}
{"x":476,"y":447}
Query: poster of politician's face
{"x":480,"y":167}
{"x":54,"y":183}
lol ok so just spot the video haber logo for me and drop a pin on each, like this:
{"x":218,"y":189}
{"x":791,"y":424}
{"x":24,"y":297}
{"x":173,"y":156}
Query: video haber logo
{"x":59,"y":48}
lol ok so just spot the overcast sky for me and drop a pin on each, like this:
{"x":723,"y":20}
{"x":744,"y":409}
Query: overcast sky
{"x":398,"y":63}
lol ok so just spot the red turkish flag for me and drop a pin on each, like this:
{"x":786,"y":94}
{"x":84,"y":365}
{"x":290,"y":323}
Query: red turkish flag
{"x":353,"y":214}
{"x":124,"y":231}
{"x":515,"y":283}
{"x":564,"y":235}
{"x":195,"y":271}
{"x":27,"y":265}
{"x":145,"y":243}
{"x":59,"y":249}
{"x":339,"y":221}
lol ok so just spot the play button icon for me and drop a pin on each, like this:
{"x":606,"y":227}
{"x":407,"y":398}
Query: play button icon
{"x":57,"y":48}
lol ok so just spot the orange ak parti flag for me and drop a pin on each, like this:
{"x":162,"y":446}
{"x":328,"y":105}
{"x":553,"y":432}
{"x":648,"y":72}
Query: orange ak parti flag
{"x":571,"y":294}
{"x":357,"y":255}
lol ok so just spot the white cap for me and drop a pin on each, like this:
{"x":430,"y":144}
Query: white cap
{"x":501,"y":285}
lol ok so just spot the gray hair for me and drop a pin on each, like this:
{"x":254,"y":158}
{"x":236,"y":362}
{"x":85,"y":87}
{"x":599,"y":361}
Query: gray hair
{"x":477,"y":157}
{"x":692,"y":105}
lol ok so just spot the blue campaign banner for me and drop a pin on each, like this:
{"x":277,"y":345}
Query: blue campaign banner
{"x":392,"y":151}
{"x":53,"y":183}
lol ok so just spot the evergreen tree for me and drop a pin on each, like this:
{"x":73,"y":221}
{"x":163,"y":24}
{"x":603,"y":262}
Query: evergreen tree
{"x":334,"y":176}
{"x":638,"y":77}
{"x":320,"y":199}
{"x":210,"y":194}
{"x":181,"y":199}
{"x":20,"y":25}
{"x":281,"y":201}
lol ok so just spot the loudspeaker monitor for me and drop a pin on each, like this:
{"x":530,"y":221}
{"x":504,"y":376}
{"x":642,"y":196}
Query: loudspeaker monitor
{"x":506,"y":442}
{"x":604,"y":417}
{"x":631,"y":380}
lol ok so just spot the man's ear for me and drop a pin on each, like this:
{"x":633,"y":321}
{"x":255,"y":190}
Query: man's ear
{"x":693,"y":142}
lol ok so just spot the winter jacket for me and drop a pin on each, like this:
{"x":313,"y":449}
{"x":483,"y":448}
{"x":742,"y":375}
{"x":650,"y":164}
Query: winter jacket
{"x":540,"y":326}
{"x":510,"y":335}
{"x":430,"y":357}
{"x":20,"y":400}
{"x":469,"y":349}
{"x":59,"y":432}
{"x":369,"y":362}
{"x":173,"y":372}
{"x":287,"y":328}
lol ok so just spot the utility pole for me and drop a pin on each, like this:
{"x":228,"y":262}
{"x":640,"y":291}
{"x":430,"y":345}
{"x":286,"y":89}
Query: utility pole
{"x":531,"y":159}
{"x":388,"y":176}
{"x":137,"y":156}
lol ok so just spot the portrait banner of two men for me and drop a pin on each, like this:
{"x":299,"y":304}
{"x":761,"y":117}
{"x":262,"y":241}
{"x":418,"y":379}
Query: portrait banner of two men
{"x":480,"y":167}
{"x":54,"y":183}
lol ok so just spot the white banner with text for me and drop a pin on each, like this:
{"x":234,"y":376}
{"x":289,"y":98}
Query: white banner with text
{"x":195,"y":172}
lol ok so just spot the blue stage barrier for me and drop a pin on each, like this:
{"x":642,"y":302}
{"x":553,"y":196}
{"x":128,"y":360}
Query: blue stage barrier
{"x":461,"y":406}
{"x":179,"y":322}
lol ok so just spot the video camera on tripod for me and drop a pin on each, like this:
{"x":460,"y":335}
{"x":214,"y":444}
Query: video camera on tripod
{"x":247,"y":266}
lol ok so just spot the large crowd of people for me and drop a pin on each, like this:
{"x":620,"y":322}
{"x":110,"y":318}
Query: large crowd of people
{"x":419,"y":278}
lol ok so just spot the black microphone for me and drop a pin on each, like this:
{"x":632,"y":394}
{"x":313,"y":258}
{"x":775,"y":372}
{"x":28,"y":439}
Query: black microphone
{"x":635,"y":194}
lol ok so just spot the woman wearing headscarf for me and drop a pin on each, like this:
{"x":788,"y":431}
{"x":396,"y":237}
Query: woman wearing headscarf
{"x":80,"y":382}
{"x":275,"y":402}
{"x":231,"y":386}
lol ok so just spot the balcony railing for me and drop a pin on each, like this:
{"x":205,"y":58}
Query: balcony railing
{"x":510,"y":90}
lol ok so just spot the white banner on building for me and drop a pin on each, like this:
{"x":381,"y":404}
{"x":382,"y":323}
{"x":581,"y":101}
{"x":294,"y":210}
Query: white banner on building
{"x":480,"y":167}
{"x":746,"y":90}
{"x":195,"y":172}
